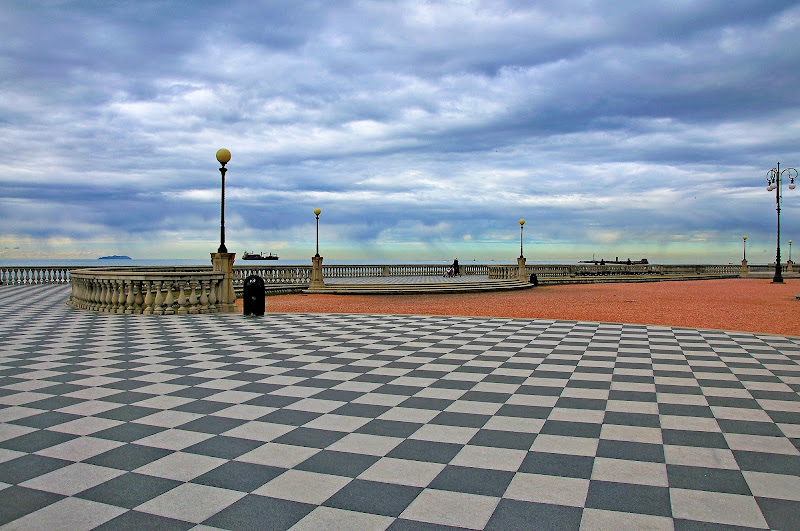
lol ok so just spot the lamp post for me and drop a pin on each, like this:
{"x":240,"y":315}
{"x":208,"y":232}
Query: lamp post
{"x":317,"y":212}
{"x":744,"y":248}
{"x":775,"y":181}
{"x":790,"y":251}
{"x":223,"y":156}
{"x":521,"y":224}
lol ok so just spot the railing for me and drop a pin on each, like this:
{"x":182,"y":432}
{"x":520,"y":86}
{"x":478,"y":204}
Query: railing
{"x":156,"y":291}
{"x":34,"y":275}
{"x":301,"y":275}
{"x":511,"y":271}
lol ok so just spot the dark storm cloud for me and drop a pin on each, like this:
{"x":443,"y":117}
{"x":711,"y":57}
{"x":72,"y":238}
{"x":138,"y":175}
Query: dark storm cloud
{"x":603,"y":123}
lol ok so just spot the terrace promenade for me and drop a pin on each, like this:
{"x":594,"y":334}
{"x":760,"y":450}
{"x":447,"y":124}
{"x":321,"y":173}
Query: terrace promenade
{"x":364,"y":421}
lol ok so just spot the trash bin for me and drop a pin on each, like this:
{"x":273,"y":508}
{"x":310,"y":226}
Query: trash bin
{"x":534,"y":279}
{"x":253,"y":298}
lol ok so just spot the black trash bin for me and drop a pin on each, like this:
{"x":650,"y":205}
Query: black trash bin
{"x":253,"y":299}
{"x":534,"y":279}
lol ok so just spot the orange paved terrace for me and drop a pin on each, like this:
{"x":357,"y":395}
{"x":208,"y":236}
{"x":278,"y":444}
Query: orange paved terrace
{"x":753,"y":305}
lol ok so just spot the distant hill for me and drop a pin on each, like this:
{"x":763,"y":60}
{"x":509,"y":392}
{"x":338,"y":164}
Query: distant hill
{"x":115,"y":257}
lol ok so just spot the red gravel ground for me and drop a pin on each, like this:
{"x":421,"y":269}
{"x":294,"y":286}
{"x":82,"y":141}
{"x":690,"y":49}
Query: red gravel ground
{"x":752,"y":305}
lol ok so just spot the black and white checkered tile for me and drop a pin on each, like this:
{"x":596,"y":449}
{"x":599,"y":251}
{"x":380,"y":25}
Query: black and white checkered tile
{"x":399,"y":422}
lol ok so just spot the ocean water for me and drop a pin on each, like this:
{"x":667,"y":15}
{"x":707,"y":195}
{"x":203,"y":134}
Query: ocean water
{"x":22,"y":262}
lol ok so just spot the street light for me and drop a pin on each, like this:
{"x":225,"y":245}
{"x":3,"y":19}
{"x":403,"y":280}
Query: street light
{"x":223,"y":157}
{"x":744,"y":248}
{"x":317,"y":212}
{"x":521,"y":223}
{"x":790,"y":251}
{"x":775,"y":182}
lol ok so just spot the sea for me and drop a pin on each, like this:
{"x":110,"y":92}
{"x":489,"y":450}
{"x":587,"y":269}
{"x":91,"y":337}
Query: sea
{"x":53,"y":262}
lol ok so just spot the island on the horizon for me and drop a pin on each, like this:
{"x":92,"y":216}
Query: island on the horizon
{"x":115,"y":257}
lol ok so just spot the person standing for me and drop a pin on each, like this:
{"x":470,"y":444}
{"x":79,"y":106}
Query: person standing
{"x":456,"y":270}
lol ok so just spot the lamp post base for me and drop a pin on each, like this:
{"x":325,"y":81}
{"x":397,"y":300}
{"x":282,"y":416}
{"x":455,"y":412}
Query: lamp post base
{"x":226,"y":301}
{"x":317,"y":281}
{"x":778,"y":278}
{"x":521,"y":264}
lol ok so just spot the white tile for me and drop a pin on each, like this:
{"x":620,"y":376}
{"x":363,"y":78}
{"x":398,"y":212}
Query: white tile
{"x":457,"y":509}
{"x":302,"y":486}
{"x":540,"y":488}
{"x":72,"y":479}
{"x":191,"y":502}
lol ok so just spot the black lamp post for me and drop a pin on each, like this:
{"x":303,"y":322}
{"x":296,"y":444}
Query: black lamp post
{"x":744,"y":248}
{"x":317,"y":212}
{"x":223,"y":156}
{"x":521,"y":223}
{"x":775,"y":182}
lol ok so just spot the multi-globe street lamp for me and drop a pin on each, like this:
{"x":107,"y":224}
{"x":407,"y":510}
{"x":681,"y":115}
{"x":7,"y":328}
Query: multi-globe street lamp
{"x":521,"y":223}
{"x":223,"y":157}
{"x":317,"y":212}
{"x":774,"y":182}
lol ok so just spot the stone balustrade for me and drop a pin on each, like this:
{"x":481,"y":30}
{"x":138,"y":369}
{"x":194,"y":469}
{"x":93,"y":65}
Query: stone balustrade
{"x":149,"y":291}
{"x":556,"y":271}
{"x":33,"y":275}
{"x":301,"y":275}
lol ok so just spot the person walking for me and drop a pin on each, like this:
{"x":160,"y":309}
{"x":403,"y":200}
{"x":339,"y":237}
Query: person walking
{"x":456,"y":269}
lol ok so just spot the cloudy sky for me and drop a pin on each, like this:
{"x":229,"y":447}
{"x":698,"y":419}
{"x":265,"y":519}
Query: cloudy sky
{"x":423,"y":130}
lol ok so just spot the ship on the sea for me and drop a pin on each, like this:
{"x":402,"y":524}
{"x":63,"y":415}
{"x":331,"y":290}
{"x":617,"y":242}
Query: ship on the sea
{"x":643,"y":261}
{"x":259,"y":256}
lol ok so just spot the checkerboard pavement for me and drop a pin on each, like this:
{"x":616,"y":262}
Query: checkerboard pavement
{"x":389,"y":422}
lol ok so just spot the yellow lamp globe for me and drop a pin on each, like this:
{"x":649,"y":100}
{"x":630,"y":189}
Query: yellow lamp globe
{"x":522,"y":222}
{"x":317,"y":211}
{"x":223,"y":156}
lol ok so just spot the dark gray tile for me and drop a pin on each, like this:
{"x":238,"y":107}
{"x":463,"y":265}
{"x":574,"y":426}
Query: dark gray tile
{"x":128,"y":432}
{"x":129,"y":490}
{"x":211,"y":424}
{"x":16,"y":502}
{"x":503,"y":439}
{"x":514,"y":514}
{"x":389,"y":428}
{"x":780,"y":514}
{"x":708,"y":479}
{"x":373,"y":497}
{"x":472,"y":480}
{"x":632,"y":451}
{"x":433,"y":452}
{"x":629,"y":498}
{"x":224,"y":447}
{"x":136,"y":521}
{"x":36,"y":440}
{"x":128,"y":457}
{"x":235,"y":475}
{"x":28,"y":466}
{"x":291,"y":417}
{"x":574,"y":466}
{"x":338,"y":463}
{"x":45,"y":420}
{"x":256,"y":513}
{"x":310,"y":437}
{"x":467,"y":420}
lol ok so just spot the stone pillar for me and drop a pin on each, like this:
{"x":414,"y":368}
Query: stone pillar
{"x":789,"y":265}
{"x":227,"y":297}
{"x":521,"y":274}
{"x":317,"y":281}
{"x":744,"y":268}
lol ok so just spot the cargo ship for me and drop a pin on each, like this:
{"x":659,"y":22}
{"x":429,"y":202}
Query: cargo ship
{"x":259,"y":256}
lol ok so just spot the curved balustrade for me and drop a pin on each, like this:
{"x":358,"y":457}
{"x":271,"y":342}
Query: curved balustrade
{"x":149,"y":291}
